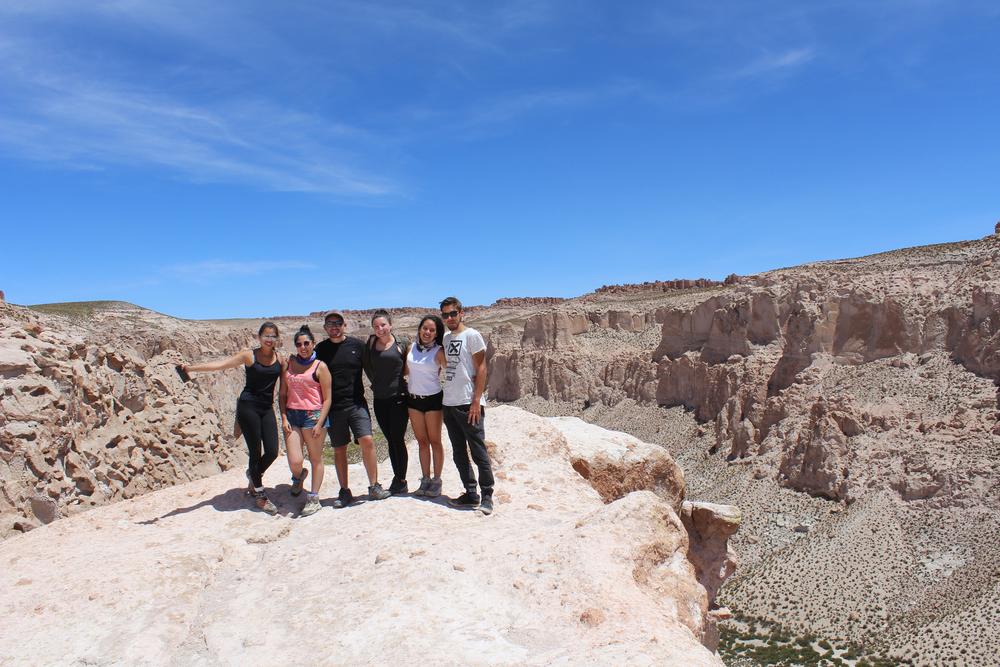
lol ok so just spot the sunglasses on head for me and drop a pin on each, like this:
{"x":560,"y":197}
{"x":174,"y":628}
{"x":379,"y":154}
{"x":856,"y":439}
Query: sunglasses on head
{"x":448,"y":315}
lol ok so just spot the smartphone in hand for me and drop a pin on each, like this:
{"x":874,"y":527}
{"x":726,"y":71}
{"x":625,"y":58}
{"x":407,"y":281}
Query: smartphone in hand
{"x":182,"y":373}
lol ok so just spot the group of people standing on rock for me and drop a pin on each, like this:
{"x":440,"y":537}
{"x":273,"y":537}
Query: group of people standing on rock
{"x":321,"y":393}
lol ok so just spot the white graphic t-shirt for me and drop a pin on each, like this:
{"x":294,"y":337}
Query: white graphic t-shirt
{"x":459,"y":376}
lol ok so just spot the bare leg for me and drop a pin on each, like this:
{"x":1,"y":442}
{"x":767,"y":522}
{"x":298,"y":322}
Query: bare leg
{"x":433,"y":421}
{"x":368,"y":458}
{"x":293,"y":451}
{"x":340,"y":463}
{"x":420,"y":431}
{"x":315,"y":447}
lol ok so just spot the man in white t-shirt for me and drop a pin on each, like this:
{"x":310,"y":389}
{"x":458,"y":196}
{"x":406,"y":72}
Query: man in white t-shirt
{"x":465,"y":406}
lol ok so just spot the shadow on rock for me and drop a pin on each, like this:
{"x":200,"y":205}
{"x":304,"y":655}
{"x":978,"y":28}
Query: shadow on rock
{"x":233,"y":500}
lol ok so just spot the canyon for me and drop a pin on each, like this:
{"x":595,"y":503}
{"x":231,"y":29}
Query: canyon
{"x":849,"y":410}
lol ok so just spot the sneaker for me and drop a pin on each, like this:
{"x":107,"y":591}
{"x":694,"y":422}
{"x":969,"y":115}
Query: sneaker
{"x":465,"y":501}
{"x":297,"y":481}
{"x":376,"y":492}
{"x":344,"y":498}
{"x":486,"y":505}
{"x":264,"y":503}
{"x":424,"y":483}
{"x":398,"y":487}
{"x":433,"y":488}
{"x":311,"y":507}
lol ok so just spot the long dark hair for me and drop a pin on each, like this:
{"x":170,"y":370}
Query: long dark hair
{"x":439,"y":336}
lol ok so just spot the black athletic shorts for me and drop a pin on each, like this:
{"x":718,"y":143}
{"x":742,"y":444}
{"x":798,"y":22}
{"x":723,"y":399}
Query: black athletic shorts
{"x":346,"y":421}
{"x":425,"y":403}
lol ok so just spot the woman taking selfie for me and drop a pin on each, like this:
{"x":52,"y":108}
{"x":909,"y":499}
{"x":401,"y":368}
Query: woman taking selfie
{"x":254,"y":411}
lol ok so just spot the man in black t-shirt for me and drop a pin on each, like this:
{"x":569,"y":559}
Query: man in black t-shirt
{"x":349,"y":410}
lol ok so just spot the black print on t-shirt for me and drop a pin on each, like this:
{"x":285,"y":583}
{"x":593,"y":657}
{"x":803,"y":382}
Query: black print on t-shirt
{"x":454,"y":354}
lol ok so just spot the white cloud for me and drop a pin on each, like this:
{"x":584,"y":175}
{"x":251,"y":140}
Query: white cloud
{"x":776,"y":63}
{"x":222,"y":268}
{"x":90,"y":110}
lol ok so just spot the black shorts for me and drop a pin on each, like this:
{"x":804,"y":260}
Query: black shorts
{"x":346,"y":421}
{"x":425,"y":403}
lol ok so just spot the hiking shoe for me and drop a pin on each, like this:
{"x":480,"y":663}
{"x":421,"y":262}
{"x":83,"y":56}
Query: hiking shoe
{"x":433,"y":488}
{"x":398,"y":487}
{"x":311,"y":507}
{"x":376,"y":492}
{"x":465,"y":501}
{"x":264,"y":503}
{"x":486,"y":506}
{"x":297,"y":481}
{"x":344,"y":498}
{"x":424,"y":483}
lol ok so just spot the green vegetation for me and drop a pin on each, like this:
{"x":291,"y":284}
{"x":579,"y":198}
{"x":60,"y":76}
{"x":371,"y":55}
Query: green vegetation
{"x":766,"y":644}
{"x":354,"y":451}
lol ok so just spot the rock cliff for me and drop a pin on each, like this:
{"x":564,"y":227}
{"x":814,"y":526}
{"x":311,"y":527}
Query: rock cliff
{"x":836,"y":382}
{"x":568,"y":571}
{"x":92,"y":411}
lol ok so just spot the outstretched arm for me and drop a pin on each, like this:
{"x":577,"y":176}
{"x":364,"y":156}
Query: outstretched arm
{"x":243,"y":357}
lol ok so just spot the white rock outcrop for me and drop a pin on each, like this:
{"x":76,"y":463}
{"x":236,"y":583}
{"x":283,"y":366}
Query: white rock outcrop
{"x":192,"y":575}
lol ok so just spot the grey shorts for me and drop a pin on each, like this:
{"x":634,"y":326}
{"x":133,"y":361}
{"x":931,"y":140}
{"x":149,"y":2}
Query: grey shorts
{"x":347,"y":421}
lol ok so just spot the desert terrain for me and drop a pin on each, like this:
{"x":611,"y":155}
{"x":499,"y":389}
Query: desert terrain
{"x":127,"y":527}
{"x":849,"y":409}
{"x":594,"y":574}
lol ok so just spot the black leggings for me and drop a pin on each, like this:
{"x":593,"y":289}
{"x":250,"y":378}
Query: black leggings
{"x":259,"y":427}
{"x":392,"y":416}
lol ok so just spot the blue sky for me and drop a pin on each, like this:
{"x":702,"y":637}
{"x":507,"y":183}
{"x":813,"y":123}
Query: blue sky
{"x":246,"y":158}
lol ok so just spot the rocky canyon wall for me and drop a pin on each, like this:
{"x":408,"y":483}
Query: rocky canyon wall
{"x":755,"y":360}
{"x":92,"y":410}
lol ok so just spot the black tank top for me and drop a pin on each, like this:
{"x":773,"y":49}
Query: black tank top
{"x":260,"y":381}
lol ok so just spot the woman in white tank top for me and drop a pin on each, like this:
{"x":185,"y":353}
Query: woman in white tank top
{"x":424,"y":362}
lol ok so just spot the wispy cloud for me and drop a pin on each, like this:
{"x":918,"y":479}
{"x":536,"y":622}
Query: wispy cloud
{"x":58,"y":107}
{"x":778,"y":63}
{"x":223,"y":268}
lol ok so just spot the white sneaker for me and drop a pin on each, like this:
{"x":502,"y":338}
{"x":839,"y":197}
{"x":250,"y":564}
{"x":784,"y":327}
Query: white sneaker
{"x":311,"y":507}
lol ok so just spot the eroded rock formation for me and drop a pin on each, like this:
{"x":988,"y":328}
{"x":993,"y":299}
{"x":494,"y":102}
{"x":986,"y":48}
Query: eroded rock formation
{"x":753,"y":359}
{"x":560,"y":574}
{"x":840,"y":381}
{"x":93,"y":412}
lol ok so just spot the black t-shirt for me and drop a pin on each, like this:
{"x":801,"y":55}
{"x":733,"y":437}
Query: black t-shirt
{"x":344,"y":361}
{"x":388,"y":377}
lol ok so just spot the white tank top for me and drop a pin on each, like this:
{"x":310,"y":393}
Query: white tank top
{"x":423,"y":370}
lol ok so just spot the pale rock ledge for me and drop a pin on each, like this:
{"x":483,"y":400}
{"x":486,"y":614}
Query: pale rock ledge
{"x":191,"y":575}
